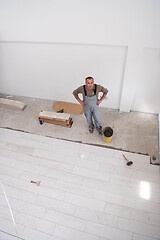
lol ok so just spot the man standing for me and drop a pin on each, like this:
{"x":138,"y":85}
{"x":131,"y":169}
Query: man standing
{"x":91,"y":102}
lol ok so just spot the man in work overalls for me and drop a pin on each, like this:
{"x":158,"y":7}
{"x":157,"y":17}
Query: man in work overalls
{"x":91,"y":102}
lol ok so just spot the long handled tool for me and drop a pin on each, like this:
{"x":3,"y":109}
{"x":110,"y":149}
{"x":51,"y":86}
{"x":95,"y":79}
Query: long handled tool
{"x":128,"y":162}
{"x":37,"y":183}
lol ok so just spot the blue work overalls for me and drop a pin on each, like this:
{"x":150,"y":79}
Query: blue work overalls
{"x":91,"y":109}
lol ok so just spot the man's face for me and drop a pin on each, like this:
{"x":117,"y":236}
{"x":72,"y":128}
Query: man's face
{"x":90,"y":83}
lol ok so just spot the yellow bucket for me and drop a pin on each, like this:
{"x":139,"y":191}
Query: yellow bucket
{"x":107,"y":139}
{"x":108,"y":133}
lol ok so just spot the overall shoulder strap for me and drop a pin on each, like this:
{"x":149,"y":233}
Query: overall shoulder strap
{"x":95,"y":89}
{"x":85,"y":92}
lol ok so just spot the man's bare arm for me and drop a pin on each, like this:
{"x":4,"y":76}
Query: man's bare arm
{"x":80,"y":101}
{"x":102,"y":98}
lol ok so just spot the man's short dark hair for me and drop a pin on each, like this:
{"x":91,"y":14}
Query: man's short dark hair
{"x":89,"y":78}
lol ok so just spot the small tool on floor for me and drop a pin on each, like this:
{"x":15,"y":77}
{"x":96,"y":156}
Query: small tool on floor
{"x":128,"y":162}
{"x":60,"y":111}
{"x":37,"y":183}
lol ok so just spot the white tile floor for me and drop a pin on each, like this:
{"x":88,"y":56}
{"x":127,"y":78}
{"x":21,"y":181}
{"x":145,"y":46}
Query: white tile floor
{"x":86,"y":192}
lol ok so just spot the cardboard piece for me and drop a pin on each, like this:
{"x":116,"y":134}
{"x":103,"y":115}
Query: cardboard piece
{"x":61,"y":119}
{"x":12,"y":104}
{"x":68,"y":107}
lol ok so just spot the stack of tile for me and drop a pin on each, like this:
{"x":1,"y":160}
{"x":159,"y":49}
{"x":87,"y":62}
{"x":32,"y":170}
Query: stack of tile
{"x":12,"y":104}
{"x":62,"y":119}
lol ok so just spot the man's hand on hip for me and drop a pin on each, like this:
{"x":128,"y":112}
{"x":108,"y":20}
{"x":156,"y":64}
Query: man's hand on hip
{"x":99,"y":101}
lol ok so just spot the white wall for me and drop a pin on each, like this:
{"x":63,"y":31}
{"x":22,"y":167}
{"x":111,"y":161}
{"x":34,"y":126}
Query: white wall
{"x":53,"y":71}
{"x":147,"y":98}
{"x":46,"y":44}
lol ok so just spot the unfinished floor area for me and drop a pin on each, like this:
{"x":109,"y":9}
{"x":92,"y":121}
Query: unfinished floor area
{"x":133,"y":132}
{"x":85,"y":192}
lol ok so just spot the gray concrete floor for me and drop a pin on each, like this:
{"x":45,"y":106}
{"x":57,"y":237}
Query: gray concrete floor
{"x":133,"y":132}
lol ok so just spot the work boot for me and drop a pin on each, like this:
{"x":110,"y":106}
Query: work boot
{"x":100,"y":130}
{"x":91,"y":129}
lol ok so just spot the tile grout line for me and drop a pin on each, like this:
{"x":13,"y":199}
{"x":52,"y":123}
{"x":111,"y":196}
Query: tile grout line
{"x":11,"y":235}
